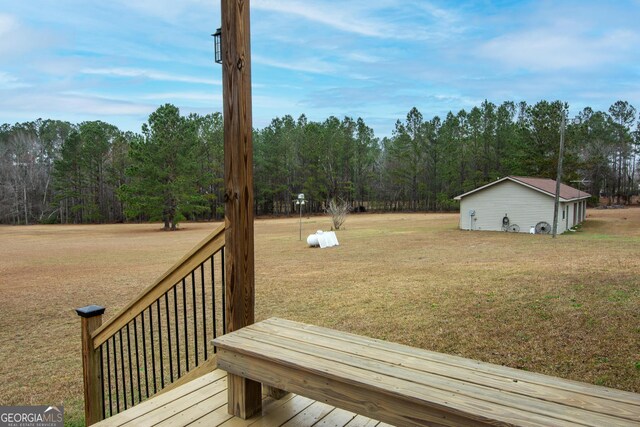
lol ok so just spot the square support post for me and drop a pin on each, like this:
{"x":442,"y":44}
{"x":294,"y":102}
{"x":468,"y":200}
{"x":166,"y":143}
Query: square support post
{"x":273,"y":392}
{"x":91,"y":320}
{"x":245,"y":396}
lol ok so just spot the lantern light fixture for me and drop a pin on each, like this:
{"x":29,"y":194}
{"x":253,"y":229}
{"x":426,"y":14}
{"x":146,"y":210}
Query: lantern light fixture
{"x":217,"y":40}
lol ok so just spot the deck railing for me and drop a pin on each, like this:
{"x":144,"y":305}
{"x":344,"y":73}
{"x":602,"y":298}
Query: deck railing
{"x":161,"y":339}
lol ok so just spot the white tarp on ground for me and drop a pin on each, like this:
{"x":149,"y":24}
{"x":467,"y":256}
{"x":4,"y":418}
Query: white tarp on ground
{"x":325,"y":239}
{"x":334,"y":239}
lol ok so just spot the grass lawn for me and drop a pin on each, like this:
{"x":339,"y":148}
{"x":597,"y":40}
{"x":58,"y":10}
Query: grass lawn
{"x":568,"y":307}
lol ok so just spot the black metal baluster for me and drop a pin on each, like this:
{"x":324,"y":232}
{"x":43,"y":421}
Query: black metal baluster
{"x":104,"y":415}
{"x":224,"y":285}
{"x":109,"y":379}
{"x":130,"y":364}
{"x":144,"y":354}
{"x":135,"y":336}
{"x":112,"y":342}
{"x":184,"y":310}
{"x":115,"y":374}
{"x":175,"y":315}
{"x":124,"y":378}
{"x":153,"y":352}
{"x":160,"y":344}
{"x":102,"y":381}
{"x":195,"y":314}
{"x":204,"y":312}
{"x":166,"y":307}
{"x":213,"y":300}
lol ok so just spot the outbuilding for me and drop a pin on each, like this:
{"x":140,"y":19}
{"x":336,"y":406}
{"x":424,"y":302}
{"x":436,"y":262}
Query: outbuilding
{"x":521,"y":204}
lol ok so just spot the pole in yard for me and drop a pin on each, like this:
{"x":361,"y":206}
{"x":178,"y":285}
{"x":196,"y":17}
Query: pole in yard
{"x":563,"y":126}
{"x":556,"y":205}
{"x":300,"y":203}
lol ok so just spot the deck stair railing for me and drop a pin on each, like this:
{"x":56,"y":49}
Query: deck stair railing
{"x":161,"y":339}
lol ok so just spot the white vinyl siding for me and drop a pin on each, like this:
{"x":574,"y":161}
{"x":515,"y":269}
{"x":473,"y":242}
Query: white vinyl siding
{"x":524,"y":206}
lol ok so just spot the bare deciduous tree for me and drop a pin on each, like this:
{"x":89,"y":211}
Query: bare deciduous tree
{"x":338,"y":212}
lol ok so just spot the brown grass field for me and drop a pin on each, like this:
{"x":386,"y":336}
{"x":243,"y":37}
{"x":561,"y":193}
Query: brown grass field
{"x":568,"y":307}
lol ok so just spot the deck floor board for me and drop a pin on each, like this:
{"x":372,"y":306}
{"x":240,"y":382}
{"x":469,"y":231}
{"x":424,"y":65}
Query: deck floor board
{"x":203,"y":402}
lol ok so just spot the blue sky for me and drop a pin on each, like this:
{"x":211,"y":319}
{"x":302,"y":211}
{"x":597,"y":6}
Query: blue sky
{"x":118,"y":60}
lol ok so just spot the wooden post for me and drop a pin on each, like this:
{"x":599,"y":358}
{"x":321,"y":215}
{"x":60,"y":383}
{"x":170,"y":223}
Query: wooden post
{"x":273,"y":392}
{"x":245,"y":396}
{"x":91,"y":320}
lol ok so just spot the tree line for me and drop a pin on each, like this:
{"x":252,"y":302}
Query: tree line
{"x":54,"y":171}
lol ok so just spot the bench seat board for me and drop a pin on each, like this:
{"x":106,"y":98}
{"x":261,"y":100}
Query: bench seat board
{"x":490,"y":369}
{"x":402,"y":385}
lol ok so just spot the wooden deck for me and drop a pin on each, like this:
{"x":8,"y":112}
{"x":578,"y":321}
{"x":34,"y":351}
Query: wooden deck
{"x":203,"y":402}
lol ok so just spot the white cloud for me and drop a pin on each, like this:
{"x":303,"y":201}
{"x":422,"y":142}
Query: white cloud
{"x":547,"y":49}
{"x":328,"y":16}
{"x":7,"y":81}
{"x":167,"y":10}
{"x":279,"y":103}
{"x":350,"y":17}
{"x":364,"y":57}
{"x":148,"y":74}
{"x":8,"y":24}
{"x":51,"y":104}
{"x":558,"y":37}
{"x":439,"y":13}
{"x":305,"y":65}
{"x":15,"y":38}
{"x":209,"y":97}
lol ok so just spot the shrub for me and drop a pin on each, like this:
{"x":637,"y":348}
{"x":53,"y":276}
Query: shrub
{"x":338,"y":212}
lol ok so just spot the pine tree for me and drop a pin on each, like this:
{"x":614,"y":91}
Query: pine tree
{"x":163,"y":179}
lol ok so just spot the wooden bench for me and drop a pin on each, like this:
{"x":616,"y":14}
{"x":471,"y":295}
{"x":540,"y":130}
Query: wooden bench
{"x":406,"y":386}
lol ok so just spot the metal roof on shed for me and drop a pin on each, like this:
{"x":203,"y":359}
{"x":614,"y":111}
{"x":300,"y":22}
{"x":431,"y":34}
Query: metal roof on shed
{"x":543,"y":185}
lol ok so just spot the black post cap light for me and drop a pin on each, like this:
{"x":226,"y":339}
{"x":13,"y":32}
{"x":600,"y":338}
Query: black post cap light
{"x":217,"y":37}
{"x":90,"y":311}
